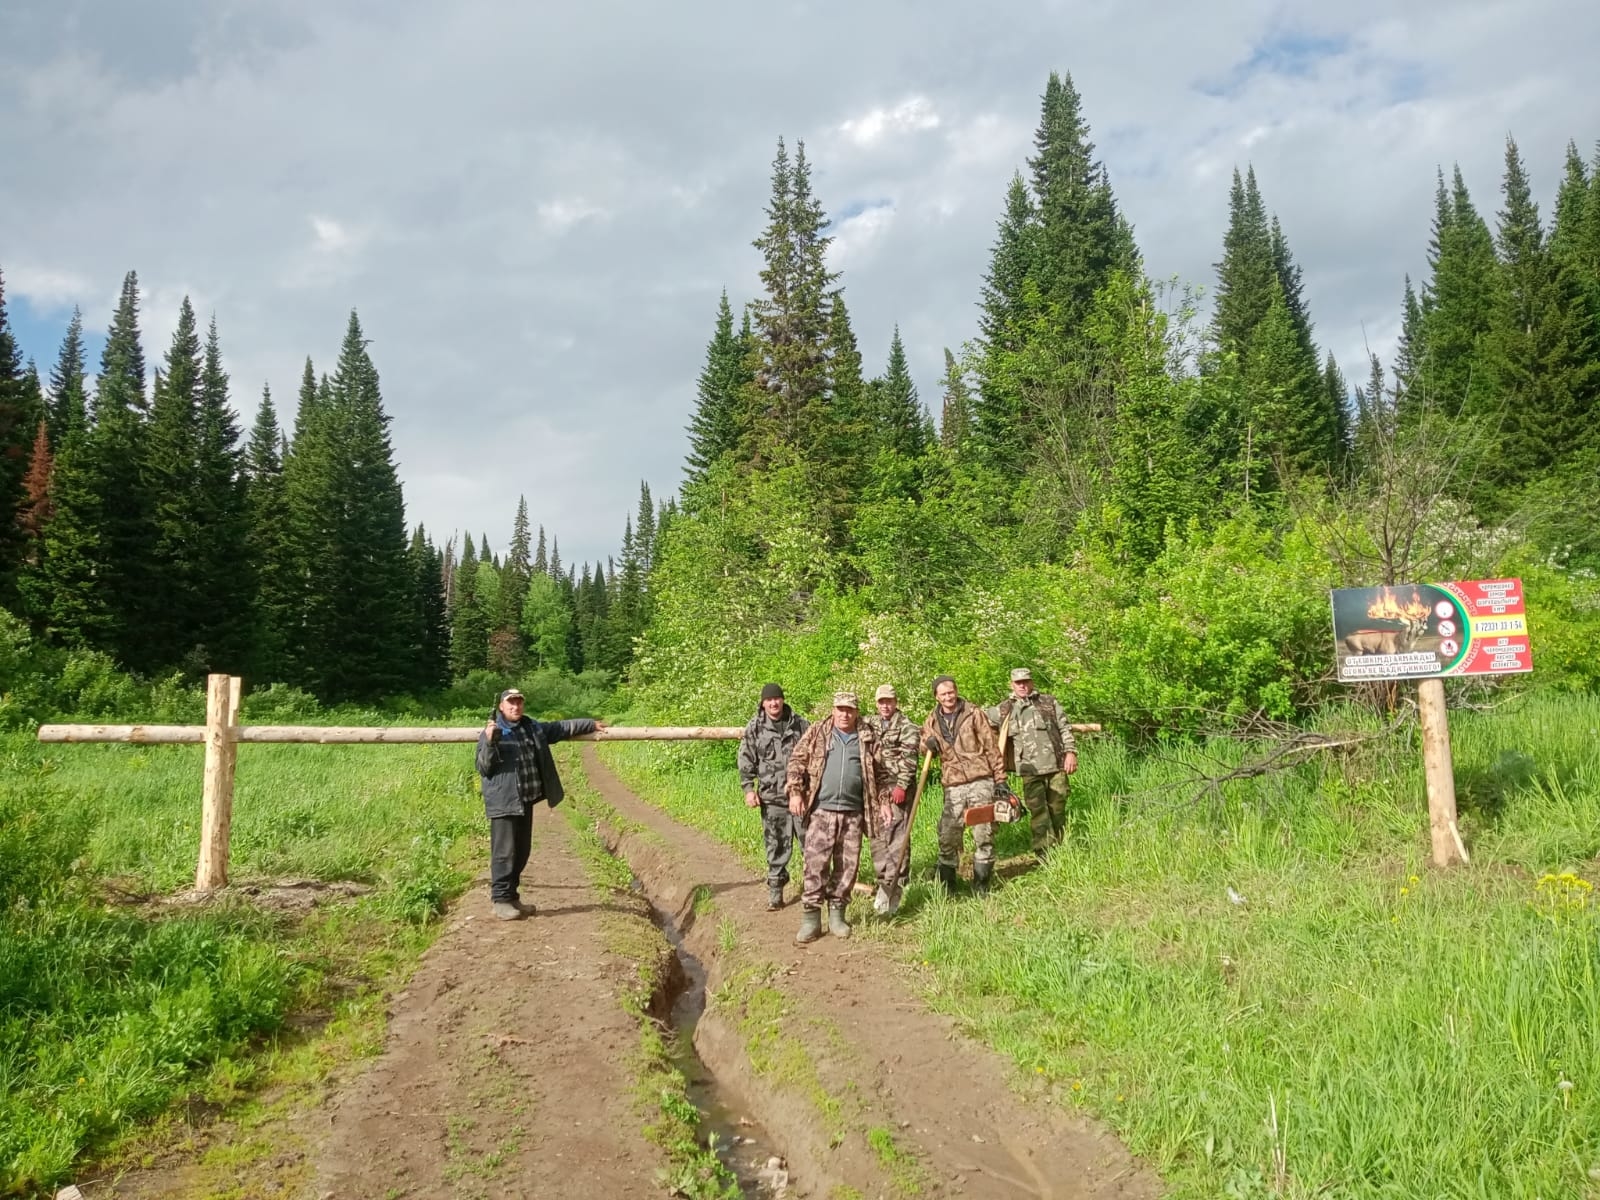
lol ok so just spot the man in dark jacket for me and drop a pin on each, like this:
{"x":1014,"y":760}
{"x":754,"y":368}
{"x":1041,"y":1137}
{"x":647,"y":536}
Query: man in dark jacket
{"x":518,"y":771}
{"x":763,"y":765}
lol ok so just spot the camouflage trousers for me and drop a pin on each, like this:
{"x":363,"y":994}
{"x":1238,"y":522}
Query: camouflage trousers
{"x":891,"y":850}
{"x":1046,"y":799}
{"x":957,"y":800}
{"x":833,"y":852}
{"x":778,"y":830}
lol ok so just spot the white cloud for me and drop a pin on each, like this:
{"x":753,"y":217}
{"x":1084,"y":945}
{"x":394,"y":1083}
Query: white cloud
{"x":560,"y":215}
{"x":537,"y":232}
{"x":49,"y":287}
{"x":909,"y":116}
{"x":856,"y":237}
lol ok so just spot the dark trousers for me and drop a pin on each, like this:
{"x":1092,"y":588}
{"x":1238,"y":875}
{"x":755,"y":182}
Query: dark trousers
{"x":509,"y":840}
{"x":779,"y":828}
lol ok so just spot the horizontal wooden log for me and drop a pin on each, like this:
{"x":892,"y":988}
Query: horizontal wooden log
{"x":378,"y":735}
{"x":156,"y":735}
{"x":143,"y":735}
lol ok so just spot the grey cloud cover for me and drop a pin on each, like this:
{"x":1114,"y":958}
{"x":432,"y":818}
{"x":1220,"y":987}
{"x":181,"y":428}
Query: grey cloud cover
{"x":534,"y":207}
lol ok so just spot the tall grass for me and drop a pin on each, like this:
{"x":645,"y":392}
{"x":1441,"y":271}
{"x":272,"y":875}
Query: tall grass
{"x":112,"y":1009}
{"x":1263,"y":988}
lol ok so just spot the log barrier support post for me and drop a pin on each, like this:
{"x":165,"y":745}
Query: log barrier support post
{"x":216,"y":800}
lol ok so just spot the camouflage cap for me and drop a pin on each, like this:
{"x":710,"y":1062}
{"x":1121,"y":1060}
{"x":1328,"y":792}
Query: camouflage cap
{"x":1019,"y":674}
{"x":845,"y":700}
{"x":885,"y":692}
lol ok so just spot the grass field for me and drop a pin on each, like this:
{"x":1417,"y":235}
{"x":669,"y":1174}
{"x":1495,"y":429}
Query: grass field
{"x":112,"y":1009}
{"x":1265,"y":990}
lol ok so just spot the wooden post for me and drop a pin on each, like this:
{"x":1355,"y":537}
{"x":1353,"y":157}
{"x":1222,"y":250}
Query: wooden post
{"x":216,"y":803}
{"x":1439,"y":773}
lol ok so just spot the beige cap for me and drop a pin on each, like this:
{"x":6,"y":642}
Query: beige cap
{"x":885,"y":692}
{"x":845,"y":700}
{"x":1018,"y":674}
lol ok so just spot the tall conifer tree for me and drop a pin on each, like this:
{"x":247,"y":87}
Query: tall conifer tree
{"x":714,"y":426}
{"x":899,"y":417}
{"x":266,"y":548}
{"x":1543,"y":355}
{"x":68,"y":401}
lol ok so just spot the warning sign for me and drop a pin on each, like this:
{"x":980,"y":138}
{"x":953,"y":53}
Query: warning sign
{"x":1421,"y":630}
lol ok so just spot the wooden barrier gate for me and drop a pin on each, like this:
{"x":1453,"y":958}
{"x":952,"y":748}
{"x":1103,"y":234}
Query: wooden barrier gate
{"x":222,"y":734}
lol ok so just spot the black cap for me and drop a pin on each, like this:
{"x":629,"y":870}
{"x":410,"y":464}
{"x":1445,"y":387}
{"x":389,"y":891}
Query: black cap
{"x":510,"y":691}
{"x":772,"y":692}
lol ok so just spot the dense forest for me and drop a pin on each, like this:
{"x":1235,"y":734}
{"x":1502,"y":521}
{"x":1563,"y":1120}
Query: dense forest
{"x":1142,"y":489}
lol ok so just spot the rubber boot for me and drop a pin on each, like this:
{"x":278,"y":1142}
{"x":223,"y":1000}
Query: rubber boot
{"x":981,"y":873}
{"x":947,"y":876}
{"x":837,"y":925}
{"x":810,"y":926}
{"x":774,"y":898}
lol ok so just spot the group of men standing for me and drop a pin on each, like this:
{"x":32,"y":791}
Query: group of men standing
{"x":832,"y":782}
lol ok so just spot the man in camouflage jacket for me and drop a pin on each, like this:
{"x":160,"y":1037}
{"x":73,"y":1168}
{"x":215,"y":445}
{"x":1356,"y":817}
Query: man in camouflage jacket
{"x":764,"y":752}
{"x":1039,"y":745}
{"x":838,"y":788}
{"x":891,"y":849}
{"x":970,"y":770}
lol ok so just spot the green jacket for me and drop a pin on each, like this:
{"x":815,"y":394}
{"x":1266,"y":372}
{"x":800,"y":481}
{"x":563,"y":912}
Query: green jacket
{"x":1038,"y":738}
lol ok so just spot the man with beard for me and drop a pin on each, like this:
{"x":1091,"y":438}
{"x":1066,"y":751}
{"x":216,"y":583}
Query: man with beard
{"x":837,"y":789}
{"x":971,"y":770}
{"x":764,"y":752}
{"x":891,"y":849}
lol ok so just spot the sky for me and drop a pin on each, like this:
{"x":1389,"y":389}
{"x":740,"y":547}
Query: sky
{"x":534,"y":208}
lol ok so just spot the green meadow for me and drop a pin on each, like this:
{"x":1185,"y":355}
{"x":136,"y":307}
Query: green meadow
{"x":1263,"y":987}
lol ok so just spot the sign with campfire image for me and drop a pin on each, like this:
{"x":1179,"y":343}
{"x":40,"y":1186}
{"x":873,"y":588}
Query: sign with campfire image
{"x":1424,"y":630}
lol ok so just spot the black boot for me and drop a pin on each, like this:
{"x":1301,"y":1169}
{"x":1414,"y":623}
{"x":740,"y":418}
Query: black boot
{"x":981,"y":873}
{"x":947,"y":876}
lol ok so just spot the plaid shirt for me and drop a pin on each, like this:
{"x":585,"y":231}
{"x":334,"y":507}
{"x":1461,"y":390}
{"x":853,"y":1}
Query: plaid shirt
{"x":529,"y":785}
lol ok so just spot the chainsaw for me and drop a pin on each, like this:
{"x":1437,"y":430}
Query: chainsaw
{"x":1006,"y":806}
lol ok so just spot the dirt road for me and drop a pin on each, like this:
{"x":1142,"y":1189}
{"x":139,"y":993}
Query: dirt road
{"x":504,"y":1069}
{"x":916,"y":1107}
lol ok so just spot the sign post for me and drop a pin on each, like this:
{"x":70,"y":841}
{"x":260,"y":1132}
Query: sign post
{"x":1429,"y":632}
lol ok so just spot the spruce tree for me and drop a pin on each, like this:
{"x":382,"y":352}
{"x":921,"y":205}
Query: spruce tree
{"x":1002,"y":325}
{"x":1543,"y":356}
{"x":1285,"y":430}
{"x":714,"y":427}
{"x":1458,"y":303}
{"x":222,"y":570}
{"x":19,"y":419}
{"x":469,"y":628}
{"x":506,"y":637}
{"x":310,"y":546}
{"x":429,"y":652}
{"x":784,"y":410}
{"x":955,"y":418}
{"x":170,"y":481}
{"x":372,"y":576}
{"x":541,"y":557}
{"x":1408,"y":365}
{"x":68,"y":402}
{"x":1336,"y":399}
{"x":1246,"y":274}
{"x":1082,"y":237}
{"x":899,"y":415}
{"x":266,"y":547}
{"x":104,"y":508}
{"x":644,"y":527}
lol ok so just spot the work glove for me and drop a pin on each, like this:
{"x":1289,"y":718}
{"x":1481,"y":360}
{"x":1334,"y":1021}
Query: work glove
{"x":898,"y":795}
{"x":1002,"y":792}
{"x":931,"y":745}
